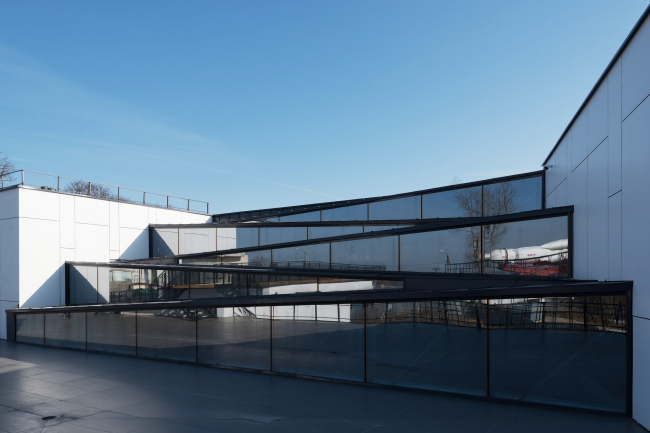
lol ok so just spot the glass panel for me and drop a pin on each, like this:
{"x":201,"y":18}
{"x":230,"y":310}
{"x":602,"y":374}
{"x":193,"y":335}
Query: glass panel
{"x":357,"y":212}
{"x":112,"y":332}
{"x":277,"y":235}
{"x":368,"y":229}
{"x":169,"y":285}
{"x":439,"y":345}
{"x":535,"y":247}
{"x":375,"y":254}
{"x":236,"y":337}
{"x":121,"y":283}
{"x":29,"y":328}
{"x":168,"y":334}
{"x":346,"y":285}
{"x":455,"y":251}
{"x":103,"y":285}
{"x":324,"y":341}
{"x":327,"y":232}
{"x":83,"y":285}
{"x":398,"y":209}
{"x":301,"y":217}
{"x":65,"y":330}
{"x":289,"y":284}
{"x":165,"y":242}
{"x":252,"y":258}
{"x":246,"y":237}
{"x":512,"y":196}
{"x":566,"y":351}
{"x":217,"y":285}
{"x":258,"y":285}
{"x":303,"y":257}
{"x":457,"y":203}
{"x":197,"y":240}
{"x":210,"y":260}
{"x":226,"y":238}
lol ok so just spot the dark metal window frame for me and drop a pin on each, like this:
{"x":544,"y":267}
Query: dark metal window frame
{"x":294,"y":210}
{"x":574,"y":290}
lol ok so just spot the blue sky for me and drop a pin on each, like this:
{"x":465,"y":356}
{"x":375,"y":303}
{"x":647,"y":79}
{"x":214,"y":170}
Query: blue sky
{"x":254,"y":104}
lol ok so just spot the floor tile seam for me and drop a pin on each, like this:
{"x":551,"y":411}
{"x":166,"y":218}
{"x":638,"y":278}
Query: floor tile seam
{"x":54,"y":398}
{"x":106,"y":410}
{"x":84,"y":426}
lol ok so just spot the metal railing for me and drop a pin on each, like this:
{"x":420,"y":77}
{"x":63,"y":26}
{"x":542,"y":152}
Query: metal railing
{"x":50,"y":182}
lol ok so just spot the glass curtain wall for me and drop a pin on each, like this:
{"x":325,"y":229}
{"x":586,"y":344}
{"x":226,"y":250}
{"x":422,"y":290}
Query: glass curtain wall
{"x":134,"y":285}
{"x":537,"y":247}
{"x":499,"y":198}
{"x":567,"y":351}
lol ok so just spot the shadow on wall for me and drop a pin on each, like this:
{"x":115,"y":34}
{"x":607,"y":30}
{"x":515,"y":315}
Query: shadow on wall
{"x":161,"y":240}
{"x":49,"y":294}
{"x":139,"y":247}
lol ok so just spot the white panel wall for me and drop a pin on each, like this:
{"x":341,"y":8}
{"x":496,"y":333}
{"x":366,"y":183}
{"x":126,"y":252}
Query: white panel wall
{"x":597,"y":123}
{"x":607,"y":168}
{"x":636,"y":205}
{"x":597,"y":220}
{"x":580,"y":221}
{"x":614,"y":120}
{"x":636,"y":70}
{"x":41,"y":230}
{"x":9,"y":240}
{"x":579,"y":140}
{"x":615,"y":243}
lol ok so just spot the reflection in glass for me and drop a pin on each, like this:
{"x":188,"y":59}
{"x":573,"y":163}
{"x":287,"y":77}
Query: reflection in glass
{"x":29,"y":328}
{"x":357,"y":212}
{"x":327,"y":232}
{"x":165,"y":242}
{"x":277,"y":235}
{"x":246,"y":237}
{"x":290,"y":284}
{"x":445,"y":251}
{"x":438,"y":345}
{"x":457,"y":203}
{"x":236,"y":337}
{"x":566,"y":351}
{"x":315,"y":256}
{"x":323,"y":341}
{"x":373,"y":254}
{"x":122,"y":283}
{"x":535,"y":247}
{"x":368,"y":229}
{"x":217,"y":285}
{"x":226,"y":238}
{"x":260,"y":259}
{"x":83,"y":285}
{"x":512,"y":196}
{"x":301,"y":217}
{"x":397,"y":209}
{"x":112,"y":332}
{"x":65,"y":330}
{"x":348,"y":285}
{"x":197,"y":240}
{"x":167,"y":334}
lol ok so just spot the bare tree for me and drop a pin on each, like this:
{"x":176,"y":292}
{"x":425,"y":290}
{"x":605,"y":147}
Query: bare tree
{"x":91,"y":189}
{"x":6,"y":167}
{"x":499,"y":199}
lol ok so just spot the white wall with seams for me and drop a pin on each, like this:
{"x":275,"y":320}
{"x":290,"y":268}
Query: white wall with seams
{"x":602,"y":168}
{"x":41,"y":230}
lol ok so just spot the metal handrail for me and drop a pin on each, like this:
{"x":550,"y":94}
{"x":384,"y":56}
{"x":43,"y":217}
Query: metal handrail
{"x":90,"y":185}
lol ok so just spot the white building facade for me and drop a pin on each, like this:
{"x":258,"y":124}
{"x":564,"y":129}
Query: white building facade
{"x":601,"y":166}
{"x":40,"y":230}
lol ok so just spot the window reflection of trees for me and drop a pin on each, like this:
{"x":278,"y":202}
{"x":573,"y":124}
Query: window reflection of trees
{"x":499,"y":199}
